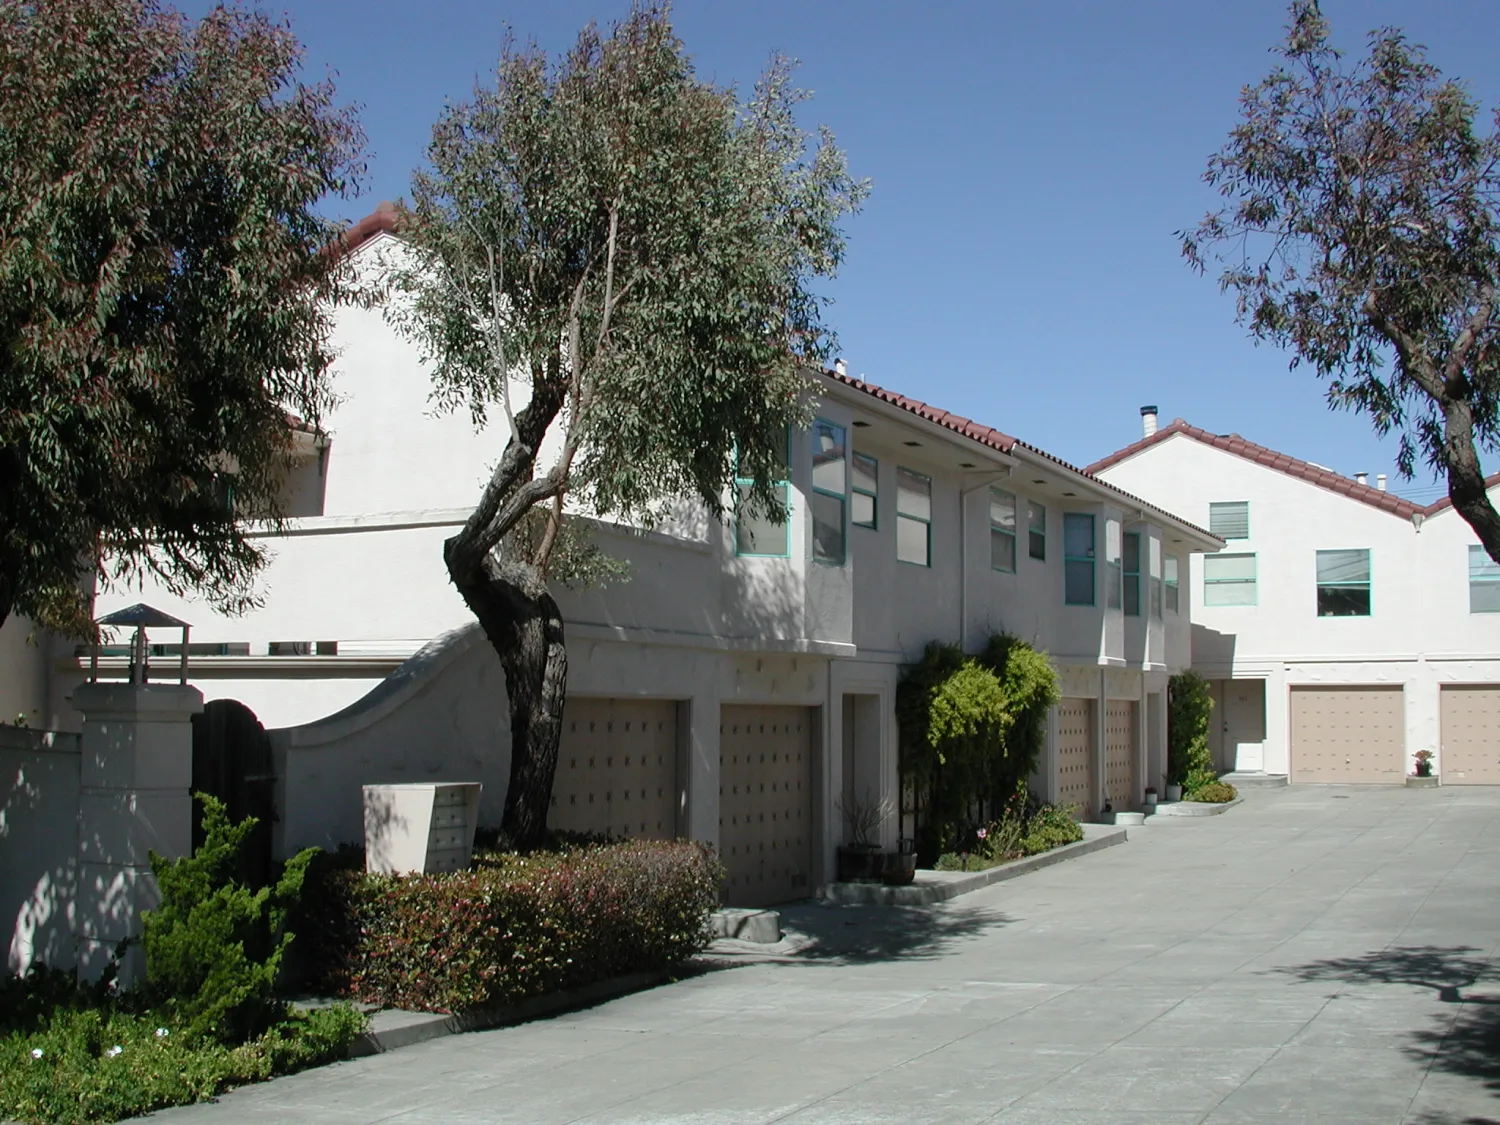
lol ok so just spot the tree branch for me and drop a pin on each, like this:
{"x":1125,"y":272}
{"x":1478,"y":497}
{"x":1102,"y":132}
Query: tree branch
{"x":1458,"y":355}
{"x":1414,"y":358}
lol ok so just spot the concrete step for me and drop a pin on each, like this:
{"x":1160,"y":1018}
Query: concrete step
{"x":1255,"y":779}
{"x":746,"y":924}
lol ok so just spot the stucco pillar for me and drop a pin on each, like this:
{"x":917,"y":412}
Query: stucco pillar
{"x":1101,"y":744}
{"x":134,"y":798}
{"x":701,"y":816}
{"x":1276,"y":752}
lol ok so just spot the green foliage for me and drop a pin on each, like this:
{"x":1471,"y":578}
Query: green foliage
{"x":1213,"y":793}
{"x":59,"y":1063}
{"x":164,"y":291}
{"x":1361,"y":229}
{"x":512,"y":927}
{"x":972,"y":728}
{"x":214,"y":946}
{"x":1019,"y":831}
{"x":1189,"y":707}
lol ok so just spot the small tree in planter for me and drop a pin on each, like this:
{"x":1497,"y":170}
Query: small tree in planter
{"x":1189,"y":706}
{"x":861,"y":860}
{"x":1424,"y":762}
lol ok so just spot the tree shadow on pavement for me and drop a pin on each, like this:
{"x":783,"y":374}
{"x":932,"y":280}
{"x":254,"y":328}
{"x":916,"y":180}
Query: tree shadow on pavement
{"x":1465,"y":1043}
{"x":863,"y":934}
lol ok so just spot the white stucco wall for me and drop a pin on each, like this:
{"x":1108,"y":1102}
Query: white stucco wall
{"x":1419,"y":634}
{"x":39,"y":787}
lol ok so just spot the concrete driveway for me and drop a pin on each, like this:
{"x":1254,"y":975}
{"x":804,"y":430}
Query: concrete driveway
{"x":1318,"y":954}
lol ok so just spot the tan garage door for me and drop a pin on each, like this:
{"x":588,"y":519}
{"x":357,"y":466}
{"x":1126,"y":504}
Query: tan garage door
{"x":1471,"y":735}
{"x":617,"y":769}
{"x":1348,"y":734}
{"x":1075,"y":756}
{"x":1120,"y":754}
{"x":765,"y":803}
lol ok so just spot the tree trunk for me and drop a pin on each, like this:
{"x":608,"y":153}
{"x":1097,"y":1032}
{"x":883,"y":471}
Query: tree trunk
{"x":1465,"y":477}
{"x":523,"y":624}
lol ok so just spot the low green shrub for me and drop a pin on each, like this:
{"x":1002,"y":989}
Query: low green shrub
{"x":72,"y":1054}
{"x":1196,"y":780}
{"x":514,"y":926}
{"x":1051,"y":827}
{"x":1214,"y":793}
{"x":214,"y":946}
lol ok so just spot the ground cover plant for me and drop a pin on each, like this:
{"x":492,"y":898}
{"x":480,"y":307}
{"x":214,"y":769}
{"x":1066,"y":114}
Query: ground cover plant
{"x":1214,"y":793}
{"x":514,"y":926}
{"x":206,"y":1018}
{"x":1022,"y":829}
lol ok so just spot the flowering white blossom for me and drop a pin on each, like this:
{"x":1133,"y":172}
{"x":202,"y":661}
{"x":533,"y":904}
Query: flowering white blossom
{"x":162,"y":1033}
{"x":36,"y":1052}
{"x":113,"y":1051}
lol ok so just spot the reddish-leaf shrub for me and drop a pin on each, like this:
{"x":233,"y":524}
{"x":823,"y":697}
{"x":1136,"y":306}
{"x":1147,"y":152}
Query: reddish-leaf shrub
{"x":512,"y":927}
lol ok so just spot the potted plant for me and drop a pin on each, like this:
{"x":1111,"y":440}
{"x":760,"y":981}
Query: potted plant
{"x":861,"y":860}
{"x":1150,"y":797}
{"x":1174,"y":792}
{"x":900,"y":865}
{"x":1424,"y":762}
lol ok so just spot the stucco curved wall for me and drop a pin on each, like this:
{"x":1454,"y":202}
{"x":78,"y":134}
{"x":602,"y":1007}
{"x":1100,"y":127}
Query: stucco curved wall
{"x":441,"y":716}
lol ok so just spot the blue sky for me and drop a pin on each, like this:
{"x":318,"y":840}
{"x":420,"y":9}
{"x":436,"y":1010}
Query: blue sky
{"x":1015,"y":262}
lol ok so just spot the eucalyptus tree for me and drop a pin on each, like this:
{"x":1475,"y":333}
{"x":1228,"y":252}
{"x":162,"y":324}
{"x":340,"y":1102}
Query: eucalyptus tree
{"x":617,"y":257}
{"x":1361,"y":228}
{"x":164,"y":282}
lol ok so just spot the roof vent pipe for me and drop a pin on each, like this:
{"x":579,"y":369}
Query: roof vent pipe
{"x":1148,"y":421}
{"x":1380,"y":481}
{"x":840,"y":367}
{"x":1362,"y":478}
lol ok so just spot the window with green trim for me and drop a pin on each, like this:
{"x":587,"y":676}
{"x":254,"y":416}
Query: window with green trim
{"x":864,"y":502}
{"x":1114,"y":594}
{"x":1344,"y":583}
{"x":1170,"y":584}
{"x":913,"y":517}
{"x":1036,"y":530}
{"x":1133,"y":573}
{"x":1484,"y":582}
{"x":1229,"y":579}
{"x":1230,"y":520}
{"x":1078,"y":559}
{"x":830,"y":489}
{"x":756,"y":532}
{"x":1003,"y":530}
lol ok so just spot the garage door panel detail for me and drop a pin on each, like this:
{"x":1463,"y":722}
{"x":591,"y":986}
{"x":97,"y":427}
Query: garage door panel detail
{"x":617,"y":769}
{"x":1351,"y":735}
{"x":765,"y":802}
{"x":1075,"y":755}
{"x":1471,"y":735}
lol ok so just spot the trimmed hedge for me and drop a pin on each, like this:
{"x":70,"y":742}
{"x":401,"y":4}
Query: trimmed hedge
{"x":512,"y":927}
{"x":1214,"y":793}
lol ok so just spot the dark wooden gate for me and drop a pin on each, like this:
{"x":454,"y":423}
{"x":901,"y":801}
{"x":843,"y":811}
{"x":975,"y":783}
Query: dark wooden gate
{"x":232,"y":761}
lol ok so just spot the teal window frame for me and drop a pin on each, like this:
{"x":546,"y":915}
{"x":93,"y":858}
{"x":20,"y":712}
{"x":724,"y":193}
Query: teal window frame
{"x":1337,"y":587}
{"x":1007,"y":535}
{"x":840,"y":434}
{"x":1072,"y":561}
{"x":1171,"y":576}
{"x":925,"y":521}
{"x":742,"y":484}
{"x":1484,"y":580}
{"x":873,"y":494}
{"x":1036,"y":530}
{"x":1132,"y":577}
{"x":1253,"y":582}
{"x":1229,"y":519}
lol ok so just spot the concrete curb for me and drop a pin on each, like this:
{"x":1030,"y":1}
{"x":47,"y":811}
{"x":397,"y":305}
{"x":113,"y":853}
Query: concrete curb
{"x":393,"y":1028}
{"x":1194,"y":808}
{"x":939,"y":886}
{"x":743,"y":923}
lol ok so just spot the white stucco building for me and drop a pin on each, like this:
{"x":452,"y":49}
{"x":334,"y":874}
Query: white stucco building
{"x":740,"y":682}
{"x":1344,"y":628}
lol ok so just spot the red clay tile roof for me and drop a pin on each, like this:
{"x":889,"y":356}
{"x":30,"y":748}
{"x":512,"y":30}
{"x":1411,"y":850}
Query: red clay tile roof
{"x":997,"y":440}
{"x":380,"y":221}
{"x":1302,"y":470}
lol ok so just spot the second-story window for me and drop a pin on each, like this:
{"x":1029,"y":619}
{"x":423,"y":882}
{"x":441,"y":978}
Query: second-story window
{"x":1170,"y":583}
{"x":1036,"y":530}
{"x":864,"y":502}
{"x":755,"y":531}
{"x":1230,"y":520}
{"x":1078,"y":558}
{"x":1484,"y":582}
{"x":830,"y":488}
{"x":1003,"y":530}
{"x":913,"y":517}
{"x":1229,"y":580}
{"x":1344,"y":583}
{"x":1133,"y":573}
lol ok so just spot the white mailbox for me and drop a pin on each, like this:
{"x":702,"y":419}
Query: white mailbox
{"x":422,"y":828}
